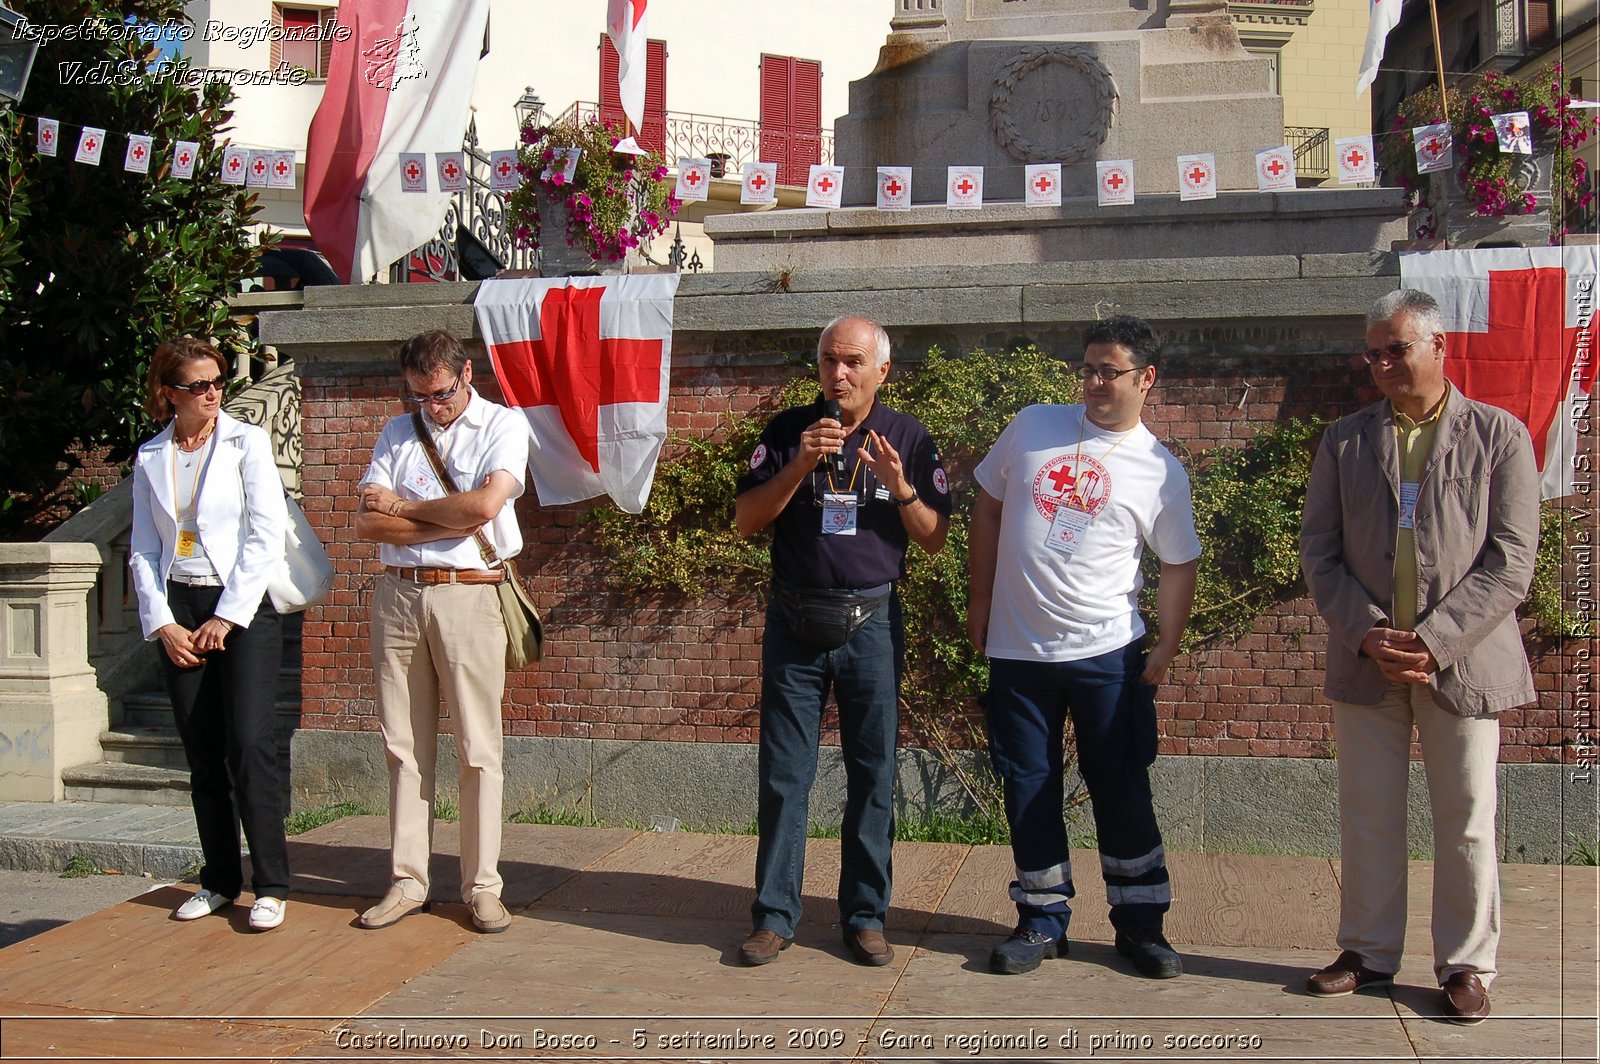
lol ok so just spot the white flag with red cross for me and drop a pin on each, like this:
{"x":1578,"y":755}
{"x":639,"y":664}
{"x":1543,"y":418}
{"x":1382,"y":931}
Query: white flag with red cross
{"x":137,"y":157}
{"x":235,"y":162}
{"x":587,"y":360}
{"x":1041,"y":185}
{"x":694,"y":180}
{"x":503,"y":174}
{"x":91,"y":142}
{"x":1275,"y":169}
{"x":1355,"y":159}
{"x":760,"y":183}
{"x":185,"y":154}
{"x":1519,"y":332}
{"x":1114,"y":182}
{"x":452,"y":168}
{"x":1513,"y":133}
{"x":964,"y":188}
{"x":413,"y":171}
{"x":1197,"y":176}
{"x":824,"y":186}
{"x":894,"y":188}
{"x":282,"y":174}
{"x":258,"y":169}
{"x":1435,"y":148}
{"x":48,"y":136}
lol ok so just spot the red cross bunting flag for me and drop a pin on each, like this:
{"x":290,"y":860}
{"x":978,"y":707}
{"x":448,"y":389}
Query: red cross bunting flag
{"x":1519,"y":329}
{"x":503,"y":175}
{"x":1197,"y":176}
{"x":137,"y":158}
{"x":1513,"y":133}
{"x":235,"y":162}
{"x":586,"y":359}
{"x":1114,"y":182}
{"x":49,"y":134}
{"x":91,"y":142}
{"x":413,"y":171}
{"x":257,"y":169}
{"x":186,"y":156}
{"x":824,"y":186}
{"x":1435,"y":150}
{"x":694,"y":180}
{"x":894,"y":188}
{"x":760,"y":183}
{"x":1275,"y":169}
{"x":1355,"y":159}
{"x":282,"y":174}
{"x":452,"y":167}
{"x":1041,"y":185}
{"x":963,"y":188}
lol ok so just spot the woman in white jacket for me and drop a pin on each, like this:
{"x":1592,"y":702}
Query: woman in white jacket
{"x":208,"y":529}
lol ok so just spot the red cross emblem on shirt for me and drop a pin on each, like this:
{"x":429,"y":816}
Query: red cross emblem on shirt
{"x":1275,"y":167}
{"x":1063,"y":480}
{"x":1043,"y":183}
{"x":504,"y":169}
{"x":758,"y":181}
{"x":893,"y":187}
{"x":1353,"y":158}
{"x":1116,"y":180}
{"x":413,"y":171}
{"x":965,"y":186}
{"x":825,"y":182}
{"x":691,"y":177}
{"x":1198,"y":175}
{"x":559,"y":369}
{"x":451,"y":170}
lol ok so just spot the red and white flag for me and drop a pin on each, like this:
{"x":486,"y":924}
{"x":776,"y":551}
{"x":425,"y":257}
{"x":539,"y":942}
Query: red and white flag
{"x":1041,"y":185}
{"x":760,"y":183}
{"x":258,"y":170}
{"x":963,"y":188}
{"x":894,"y":188}
{"x":1383,"y":16}
{"x":1114,"y":182}
{"x":452,"y":166}
{"x":1519,"y":325}
{"x":185,"y":157}
{"x":401,"y":82}
{"x":1355,"y":159}
{"x":137,"y":158}
{"x":824,"y":186}
{"x":235,"y":162}
{"x":587,"y":360}
{"x":282,"y":175}
{"x":413,"y":171}
{"x":1197,"y":176}
{"x":49,"y":133}
{"x":503,"y":173}
{"x":1275,"y":169}
{"x":91,"y":142}
{"x":1435,"y":147}
{"x":694,"y":180}
{"x":625,"y":25}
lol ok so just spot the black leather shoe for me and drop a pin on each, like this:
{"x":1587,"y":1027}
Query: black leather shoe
{"x":1151,"y":954}
{"x":1023,"y":951}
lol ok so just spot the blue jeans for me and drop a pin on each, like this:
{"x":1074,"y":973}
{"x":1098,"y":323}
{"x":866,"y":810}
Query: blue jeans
{"x":1114,"y":717}
{"x":864,"y":675}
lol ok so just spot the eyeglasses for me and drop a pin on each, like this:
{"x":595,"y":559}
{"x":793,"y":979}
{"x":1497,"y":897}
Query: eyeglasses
{"x":1396,"y":351}
{"x":1106,"y":374}
{"x":199,"y":387}
{"x":437,"y":397}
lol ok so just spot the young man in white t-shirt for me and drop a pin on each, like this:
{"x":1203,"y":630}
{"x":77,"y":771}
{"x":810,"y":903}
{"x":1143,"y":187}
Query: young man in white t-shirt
{"x":1071,"y":497}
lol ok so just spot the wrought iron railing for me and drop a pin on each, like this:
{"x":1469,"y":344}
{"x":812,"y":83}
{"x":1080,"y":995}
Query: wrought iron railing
{"x":731,"y":141}
{"x":1310,"y":144}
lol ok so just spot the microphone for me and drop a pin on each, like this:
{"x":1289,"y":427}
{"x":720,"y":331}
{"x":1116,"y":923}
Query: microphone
{"x":836,"y":461}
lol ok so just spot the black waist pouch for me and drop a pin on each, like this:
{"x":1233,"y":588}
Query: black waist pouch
{"x":825,"y":620}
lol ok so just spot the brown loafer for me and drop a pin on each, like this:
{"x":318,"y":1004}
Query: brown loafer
{"x":1465,"y":999}
{"x":488,"y":913}
{"x":389,"y":911}
{"x":868,"y":946}
{"x":762,"y":947}
{"x":1345,"y":976}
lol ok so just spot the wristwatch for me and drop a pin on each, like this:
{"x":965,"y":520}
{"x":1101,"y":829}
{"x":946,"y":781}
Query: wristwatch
{"x":908,"y":501}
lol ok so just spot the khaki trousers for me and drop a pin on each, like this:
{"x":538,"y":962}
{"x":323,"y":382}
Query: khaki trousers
{"x":430,"y":641}
{"x":1459,"y":756}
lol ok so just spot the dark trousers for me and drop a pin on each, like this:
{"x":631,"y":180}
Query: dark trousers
{"x":225,"y":714}
{"x":1114,"y":717}
{"x":864,"y":676}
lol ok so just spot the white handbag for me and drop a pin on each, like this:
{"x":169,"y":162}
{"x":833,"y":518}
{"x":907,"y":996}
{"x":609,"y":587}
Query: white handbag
{"x":305,"y":576}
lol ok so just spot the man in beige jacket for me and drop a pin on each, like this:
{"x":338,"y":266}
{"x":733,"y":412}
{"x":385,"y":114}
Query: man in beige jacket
{"x":1418,"y":540}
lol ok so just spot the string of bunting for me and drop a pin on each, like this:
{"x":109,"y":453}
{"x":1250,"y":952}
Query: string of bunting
{"x":250,"y":167}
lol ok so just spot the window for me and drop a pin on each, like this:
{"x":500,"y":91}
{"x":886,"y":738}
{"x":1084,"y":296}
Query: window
{"x":304,"y":43}
{"x":791,"y":116}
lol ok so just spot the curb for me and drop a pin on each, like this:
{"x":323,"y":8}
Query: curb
{"x":33,"y":853}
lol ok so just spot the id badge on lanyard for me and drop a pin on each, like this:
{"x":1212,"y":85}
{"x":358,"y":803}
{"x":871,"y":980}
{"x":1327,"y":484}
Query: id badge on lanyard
{"x":838,"y":513}
{"x":188,"y":539}
{"x":1068,"y":529}
{"x":1408,"y":503}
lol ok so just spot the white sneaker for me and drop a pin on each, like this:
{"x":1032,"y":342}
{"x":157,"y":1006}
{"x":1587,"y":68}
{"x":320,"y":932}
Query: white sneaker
{"x":202,"y":903}
{"x":267,"y":913}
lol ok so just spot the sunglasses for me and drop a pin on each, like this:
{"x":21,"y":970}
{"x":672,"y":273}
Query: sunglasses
{"x":198,"y":388}
{"x":1396,"y":351}
{"x":1106,"y":374}
{"x":437,"y":397}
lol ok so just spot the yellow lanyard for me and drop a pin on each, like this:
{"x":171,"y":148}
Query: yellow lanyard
{"x":1077,"y":459}
{"x":833,"y":488}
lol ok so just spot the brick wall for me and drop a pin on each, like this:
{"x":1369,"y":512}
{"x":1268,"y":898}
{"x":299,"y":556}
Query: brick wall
{"x":655,"y":668}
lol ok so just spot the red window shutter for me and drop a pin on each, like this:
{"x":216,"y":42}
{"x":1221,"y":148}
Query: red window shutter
{"x":805,"y":117}
{"x":777,"y":71}
{"x":610,"y":97}
{"x":1541,"y":23}
{"x":654,"y":134}
{"x":275,"y":49}
{"x":329,"y":18}
{"x":791,"y":116}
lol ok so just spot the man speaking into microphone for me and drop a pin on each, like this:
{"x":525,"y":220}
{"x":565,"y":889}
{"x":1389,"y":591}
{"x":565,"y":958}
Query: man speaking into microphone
{"x":846,"y":485}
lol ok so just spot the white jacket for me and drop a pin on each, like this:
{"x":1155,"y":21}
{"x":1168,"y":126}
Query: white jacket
{"x":240,"y":514}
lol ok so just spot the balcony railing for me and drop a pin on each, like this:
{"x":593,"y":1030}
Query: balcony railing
{"x":1310,"y":144}
{"x":732,"y":141}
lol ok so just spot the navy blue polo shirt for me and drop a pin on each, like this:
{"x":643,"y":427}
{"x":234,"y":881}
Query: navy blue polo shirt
{"x":801,"y":555}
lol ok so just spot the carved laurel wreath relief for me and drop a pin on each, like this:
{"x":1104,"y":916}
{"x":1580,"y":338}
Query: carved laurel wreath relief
{"x":1078,"y":138}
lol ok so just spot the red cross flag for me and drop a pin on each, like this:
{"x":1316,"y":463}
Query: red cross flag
{"x":825,"y":186}
{"x":694,"y":180}
{"x":963,"y":188}
{"x":185,"y":155}
{"x":137,"y":158}
{"x":413,"y":171}
{"x":760,"y":183}
{"x":48,"y":135}
{"x":1513,"y":133}
{"x":1435,"y":150}
{"x":282,"y":173}
{"x":258,"y":169}
{"x":1114,"y":179}
{"x":91,"y":142}
{"x":894,"y":188}
{"x":1041,"y":185}
{"x":503,"y":174}
{"x":1197,"y":176}
{"x":625,"y":25}
{"x":235,"y":162}
{"x":1275,"y":169}
{"x":587,"y":360}
{"x":452,"y":167}
{"x":1519,"y":329}
{"x":399,"y":84}
{"x":1383,"y":17}
{"x":1355,"y":159}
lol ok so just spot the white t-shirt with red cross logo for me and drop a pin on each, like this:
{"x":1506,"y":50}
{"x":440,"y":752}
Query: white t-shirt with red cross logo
{"x":1054,"y":604}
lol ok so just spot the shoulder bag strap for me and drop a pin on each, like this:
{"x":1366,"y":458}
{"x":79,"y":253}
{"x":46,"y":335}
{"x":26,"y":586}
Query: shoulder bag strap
{"x":490,"y":557}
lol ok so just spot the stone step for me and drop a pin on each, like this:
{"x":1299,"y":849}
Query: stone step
{"x":149,"y":745}
{"x":141,"y":709}
{"x":134,"y":839}
{"x":126,"y":784}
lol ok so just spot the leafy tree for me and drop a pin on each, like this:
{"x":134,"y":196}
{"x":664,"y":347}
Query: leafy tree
{"x":98,"y":265}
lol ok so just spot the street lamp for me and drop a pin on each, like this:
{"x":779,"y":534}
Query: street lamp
{"x":529,"y":107}
{"x":16,"y":56}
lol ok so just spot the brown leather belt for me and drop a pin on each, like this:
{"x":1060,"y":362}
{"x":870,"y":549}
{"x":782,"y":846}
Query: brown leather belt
{"x":447,"y":576}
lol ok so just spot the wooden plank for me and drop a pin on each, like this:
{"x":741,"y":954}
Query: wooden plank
{"x":66,"y":1034}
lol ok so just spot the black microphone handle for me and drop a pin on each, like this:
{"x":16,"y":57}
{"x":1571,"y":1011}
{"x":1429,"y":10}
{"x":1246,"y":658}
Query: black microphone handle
{"x":836,"y":461}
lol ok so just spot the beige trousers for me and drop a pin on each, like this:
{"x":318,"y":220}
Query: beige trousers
{"x":1459,"y":756}
{"x":430,"y":641}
